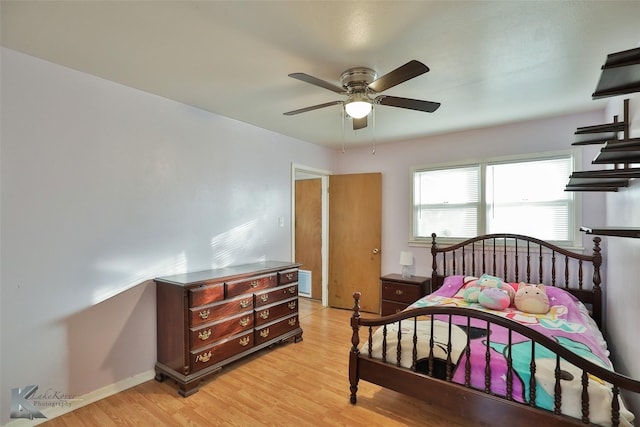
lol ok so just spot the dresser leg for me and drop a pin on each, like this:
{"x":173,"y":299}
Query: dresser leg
{"x":159,"y":376}
{"x":187,"y":389}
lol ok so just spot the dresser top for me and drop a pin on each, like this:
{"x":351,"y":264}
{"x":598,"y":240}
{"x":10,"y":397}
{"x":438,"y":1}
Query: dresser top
{"x":233,"y":271}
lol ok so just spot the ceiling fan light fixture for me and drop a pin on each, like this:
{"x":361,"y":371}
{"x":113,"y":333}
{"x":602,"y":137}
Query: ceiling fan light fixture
{"x":358,"y":106}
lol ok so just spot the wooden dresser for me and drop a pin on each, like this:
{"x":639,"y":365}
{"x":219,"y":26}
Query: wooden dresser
{"x":208,"y":319}
{"x":399,"y":292}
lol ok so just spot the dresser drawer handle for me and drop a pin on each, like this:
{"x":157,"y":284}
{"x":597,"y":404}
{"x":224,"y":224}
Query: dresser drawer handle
{"x":244,"y":321}
{"x":290,"y":276}
{"x":264,"y":298}
{"x":244,"y":341}
{"x":255,"y":283}
{"x":292,"y":290}
{"x":204,"y":357}
{"x":264,"y":333}
{"x":245,"y":303}
{"x":204,"y":335}
{"x":292,"y":305}
{"x":293,"y":321}
{"x":204,"y":314}
{"x":399,"y":292}
{"x":264,"y":314}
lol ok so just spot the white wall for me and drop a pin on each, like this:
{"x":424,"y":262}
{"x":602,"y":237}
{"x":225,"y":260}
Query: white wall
{"x":395,"y":160}
{"x":622,"y":255}
{"x":105,"y":187}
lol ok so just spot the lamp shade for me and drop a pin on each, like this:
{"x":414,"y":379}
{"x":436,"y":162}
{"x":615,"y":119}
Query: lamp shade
{"x":406,"y":258}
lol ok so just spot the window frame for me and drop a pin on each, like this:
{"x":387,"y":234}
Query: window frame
{"x":575,"y":238}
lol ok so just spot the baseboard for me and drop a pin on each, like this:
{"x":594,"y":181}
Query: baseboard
{"x":86,"y":399}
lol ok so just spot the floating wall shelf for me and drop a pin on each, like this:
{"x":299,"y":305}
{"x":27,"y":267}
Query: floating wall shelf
{"x":627,"y":173}
{"x":595,"y":188}
{"x":620,"y":74}
{"x":614,"y":126}
{"x":624,"y":151}
{"x":613,"y":231}
{"x":601,"y":180}
{"x":599,"y":134}
{"x":594,"y":138}
{"x":599,"y":184}
{"x":631,"y":144}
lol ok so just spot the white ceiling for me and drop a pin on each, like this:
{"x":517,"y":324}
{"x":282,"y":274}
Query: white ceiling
{"x":492,"y":62}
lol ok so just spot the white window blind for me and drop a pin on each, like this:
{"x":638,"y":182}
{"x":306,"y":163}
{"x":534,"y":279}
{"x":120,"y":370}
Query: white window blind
{"x":447,"y":202}
{"x":524,"y":196}
{"x":528,"y":198}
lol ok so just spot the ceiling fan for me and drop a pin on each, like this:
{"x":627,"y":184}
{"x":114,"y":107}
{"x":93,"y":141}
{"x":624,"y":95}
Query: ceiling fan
{"x":360,"y":83}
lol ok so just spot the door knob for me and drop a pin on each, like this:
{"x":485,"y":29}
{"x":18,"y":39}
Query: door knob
{"x":376,"y":250}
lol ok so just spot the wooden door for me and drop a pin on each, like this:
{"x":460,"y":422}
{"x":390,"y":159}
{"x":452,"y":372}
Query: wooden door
{"x":308,"y":231}
{"x":355,"y":211}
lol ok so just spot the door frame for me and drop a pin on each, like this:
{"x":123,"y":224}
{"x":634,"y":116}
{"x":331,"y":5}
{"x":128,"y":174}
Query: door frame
{"x":299,"y":171}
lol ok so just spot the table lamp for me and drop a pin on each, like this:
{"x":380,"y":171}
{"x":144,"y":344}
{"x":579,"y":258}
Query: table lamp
{"x":406,"y":260}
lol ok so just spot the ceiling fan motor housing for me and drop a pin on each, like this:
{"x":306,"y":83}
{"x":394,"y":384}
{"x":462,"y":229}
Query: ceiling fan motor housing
{"x":357,"y":79}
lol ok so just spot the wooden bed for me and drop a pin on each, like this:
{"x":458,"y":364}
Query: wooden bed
{"x":515,"y":258}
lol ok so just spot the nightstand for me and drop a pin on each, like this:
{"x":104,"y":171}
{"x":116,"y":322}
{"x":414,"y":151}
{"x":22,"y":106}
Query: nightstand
{"x":399,"y":292}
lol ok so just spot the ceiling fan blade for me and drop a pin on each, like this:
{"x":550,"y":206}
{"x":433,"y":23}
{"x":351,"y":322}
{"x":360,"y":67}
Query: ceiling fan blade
{"x":411,"y":104}
{"x":313,"y":107}
{"x":360,"y":123}
{"x":318,"y":82}
{"x":401,"y":74}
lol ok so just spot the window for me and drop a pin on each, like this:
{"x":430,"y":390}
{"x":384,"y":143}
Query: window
{"x":443,"y":211}
{"x":522,"y":196}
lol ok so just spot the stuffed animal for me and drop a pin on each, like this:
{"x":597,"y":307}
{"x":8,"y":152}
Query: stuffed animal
{"x":532,"y":299}
{"x":494,"y":298}
{"x":475,"y":287}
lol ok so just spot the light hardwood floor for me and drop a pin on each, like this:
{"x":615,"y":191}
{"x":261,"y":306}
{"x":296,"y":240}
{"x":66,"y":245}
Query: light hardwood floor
{"x":302,"y":384}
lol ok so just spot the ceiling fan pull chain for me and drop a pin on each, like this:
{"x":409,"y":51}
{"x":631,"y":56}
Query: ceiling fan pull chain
{"x":342,"y":113}
{"x":373,"y":125}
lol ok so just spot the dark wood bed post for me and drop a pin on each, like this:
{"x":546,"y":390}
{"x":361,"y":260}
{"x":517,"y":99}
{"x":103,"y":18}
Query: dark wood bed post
{"x":597,"y":290}
{"x":355,"y":352}
{"x":434,"y":265}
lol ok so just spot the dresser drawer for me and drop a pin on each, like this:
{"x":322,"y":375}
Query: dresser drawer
{"x":287,"y":276}
{"x":221,"y":350}
{"x":206,"y":294}
{"x":250,"y":285}
{"x":215,"y":331}
{"x":272,"y":312}
{"x":212,"y":312}
{"x":270,"y":296}
{"x":273,"y":330}
{"x":400,"y":292}
{"x":392,"y":307}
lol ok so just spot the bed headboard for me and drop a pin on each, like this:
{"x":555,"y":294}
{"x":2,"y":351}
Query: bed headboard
{"x":519,"y":258}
